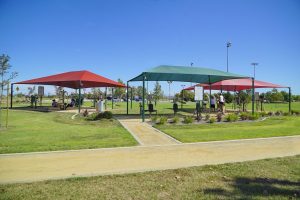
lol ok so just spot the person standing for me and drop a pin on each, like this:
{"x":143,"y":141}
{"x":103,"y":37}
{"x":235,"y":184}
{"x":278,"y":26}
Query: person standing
{"x":213,"y":103}
{"x":222,"y":103}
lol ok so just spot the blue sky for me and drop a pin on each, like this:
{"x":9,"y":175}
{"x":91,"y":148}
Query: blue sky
{"x":120,"y":39}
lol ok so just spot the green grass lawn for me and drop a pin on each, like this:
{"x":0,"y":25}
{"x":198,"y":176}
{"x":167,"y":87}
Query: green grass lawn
{"x":271,"y":127}
{"x":274,"y":106}
{"x":165,"y":107}
{"x":36,"y":131}
{"x":264,"y":179}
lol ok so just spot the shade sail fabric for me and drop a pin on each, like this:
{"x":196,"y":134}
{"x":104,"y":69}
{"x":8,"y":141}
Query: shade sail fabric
{"x":185,"y":74}
{"x":75,"y":80}
{"x":238,"y":85}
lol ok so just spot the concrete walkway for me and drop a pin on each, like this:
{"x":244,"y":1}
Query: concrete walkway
{"x":55,"y":165}
{"x":145,"y":134}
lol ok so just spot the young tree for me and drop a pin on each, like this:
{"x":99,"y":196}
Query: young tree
{"x":228,"y":97}
{"x":132,"y":90}
{"x":157,"y":93}
{"x":188,"y":95}
{"x":245,"y":99}
{"x":120,"y":91}
{"x":285,"y":95}
{"x":31,"y":90}
{"x":58,"y":91}
{"x":96,"y":93}
{"x":276,"y":96}
{"x":139,"y":91}
{"x":4,"y":77}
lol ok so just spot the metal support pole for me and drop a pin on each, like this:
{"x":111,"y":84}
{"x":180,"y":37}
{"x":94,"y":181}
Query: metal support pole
{"x":7,"y":100}
{"x":131,"y":98}
{"x":227,"y":58}
{"x":79,"y":101}
{"x":143,"y":109}
{"x":253,"y":98}
{"x":127,"y":97}
{"x":290,"y":99}
{"x":105,"y":97}
{"x":209,"y":99}
{"x":63,"y":99}
{"x":112,"y":98}
{"x":147,"y":93}
{"x":11,"y":95}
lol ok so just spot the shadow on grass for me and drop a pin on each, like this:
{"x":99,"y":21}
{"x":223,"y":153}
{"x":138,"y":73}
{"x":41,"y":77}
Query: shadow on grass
{"x":249,"y":188}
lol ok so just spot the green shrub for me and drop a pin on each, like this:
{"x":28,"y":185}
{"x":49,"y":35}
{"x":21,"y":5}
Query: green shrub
{"x":263,"y":114}
{"x":286,"y":114}
{"x":212,"y":120}
{"x":219,"y":117}
{"x":107,"y":115}
{"x":270,"y":113}
{"x":295,"y":112}
{"x":154,"y":119}
{"x":254,"y":116}
{"x":207,"y":117}
{"x":231,"y":117}
{"x":188,"y":120}
{"x":175,"y":119}
{"x":244,"y":116}
{"x":92,"y":117}
{"x":85,"y":113}
{"x":98,"y":116}
{"x":162,"y":120}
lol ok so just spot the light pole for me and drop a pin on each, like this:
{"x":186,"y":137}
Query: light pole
{"x":169,"y":82}
{"x":228,"y":45}
{"x":192,"y":66}
{"x":254,"y":65}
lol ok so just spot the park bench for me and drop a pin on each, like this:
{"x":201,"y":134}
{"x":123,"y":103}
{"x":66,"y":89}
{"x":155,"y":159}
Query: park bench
{"x":151,"y":109}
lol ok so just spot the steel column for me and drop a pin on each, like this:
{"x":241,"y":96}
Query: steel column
{"x":11,"y":95}
{"x":127,"y":97}
{"x":253,"y":98}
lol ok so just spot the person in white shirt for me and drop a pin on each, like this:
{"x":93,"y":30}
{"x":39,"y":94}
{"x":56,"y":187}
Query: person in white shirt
{"x":222,"y":103}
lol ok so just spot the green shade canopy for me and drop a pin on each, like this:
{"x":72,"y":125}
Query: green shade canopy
{"x":185,"y":74}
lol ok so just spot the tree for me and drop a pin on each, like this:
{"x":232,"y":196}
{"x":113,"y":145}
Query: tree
{"x":95,"y":93}
{"x":157,"y":92}
{"x":139,"y":91}
{"x":276,"y":96}
{"x":296,"y":97}
{"x":285,"y":95}
{"x":120,"y":91}
{"x":31,"y":90}
{"x":4,"y":70}
{"x":188,"y":95}
{"x":244,"y":98}
{"x":58,"y":91}
{"x":228,"y":97}
{"x":132,"y":90}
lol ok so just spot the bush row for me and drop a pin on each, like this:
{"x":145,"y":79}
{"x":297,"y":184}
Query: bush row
{"x":99,"y":116}
{"x":232,"y":117}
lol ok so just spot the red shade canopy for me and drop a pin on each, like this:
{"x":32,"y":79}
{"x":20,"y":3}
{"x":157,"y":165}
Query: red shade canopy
{"x":237,"y":85}
{"x":193,"y":87}
{"x":75,"y":80}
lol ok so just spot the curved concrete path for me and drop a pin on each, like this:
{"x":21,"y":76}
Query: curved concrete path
{"x":29,"y":167}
